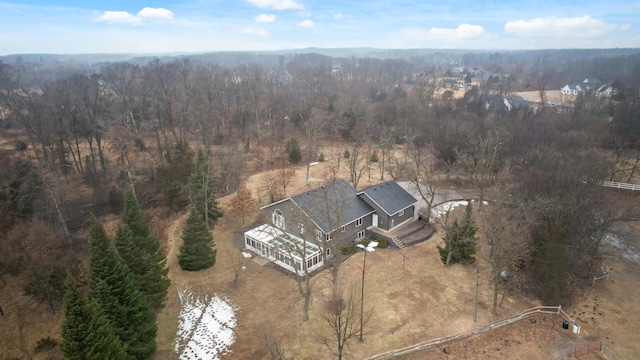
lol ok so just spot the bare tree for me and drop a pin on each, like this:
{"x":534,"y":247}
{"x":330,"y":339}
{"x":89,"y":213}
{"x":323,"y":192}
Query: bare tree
{"x":328,"y":205}
{"x":293,"y":248}
{"x":275,"y":349}
{"x":422,"y":178}
{"x":270,"y":188}
{"x":450,"y":139}
{"x":482,"y":162}
{"x":506,"y":230}
{"x":341,"y":312}
{"x":285,"y":174}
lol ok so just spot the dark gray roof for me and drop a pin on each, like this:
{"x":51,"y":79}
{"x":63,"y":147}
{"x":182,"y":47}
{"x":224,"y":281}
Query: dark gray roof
{"x":389,"y":196}
{"x":333,"y":205}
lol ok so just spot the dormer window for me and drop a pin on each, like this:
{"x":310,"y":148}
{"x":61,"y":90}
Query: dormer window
{"x":278,"y":219}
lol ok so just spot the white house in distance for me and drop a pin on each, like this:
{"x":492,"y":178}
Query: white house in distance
{"x":587,"y":85}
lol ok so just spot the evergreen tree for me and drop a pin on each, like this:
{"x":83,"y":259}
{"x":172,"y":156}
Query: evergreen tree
{"x":196,"y":252}
{"x":86,"y":333}
{"x":141,"y":251}
{"x":460,"y":240}
{"x":173,"y":175}
{"x":113,"y":289}
{"x":201,"y":192}
{"x":374,"y":157}
{"x":293,"y":151}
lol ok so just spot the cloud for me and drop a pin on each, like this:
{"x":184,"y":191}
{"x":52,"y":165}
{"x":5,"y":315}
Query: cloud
{"x":338,"y":16}
{"x":306,"y":23}
{"x":156,"y":13}
{"x":277,"y":4}
{"x":584,"y":26}
{"x":264,"y":18}
{"x":128,"y":18}
{"x":117,"y":17}
{"x":256,"y":31}
{"x":461,"y":33}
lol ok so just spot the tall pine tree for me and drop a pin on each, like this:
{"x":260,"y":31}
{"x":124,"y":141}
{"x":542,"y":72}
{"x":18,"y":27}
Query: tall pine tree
{"x":460,"y":240}
{"x":196,"y":252}
{"x":201,"y":192}
{"x":141,"y":251}
{"x":115,"y":292}
{"x":86,"y":332}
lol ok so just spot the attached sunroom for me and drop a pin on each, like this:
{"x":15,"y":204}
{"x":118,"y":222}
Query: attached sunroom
{"x":284,"y":249}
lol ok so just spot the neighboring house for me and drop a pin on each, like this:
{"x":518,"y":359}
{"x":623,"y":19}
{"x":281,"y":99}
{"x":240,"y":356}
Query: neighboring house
{"x":605,"y":90}
{"x":587,"y":85}
{"x":571,"y":89}
{"x":329,"y":217}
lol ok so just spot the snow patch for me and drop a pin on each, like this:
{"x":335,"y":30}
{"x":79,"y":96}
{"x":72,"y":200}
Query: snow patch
{"x":627,"y":251}
{"x":441,"y":209}
{"x":205,"y":326}
{"x":246,"y":255}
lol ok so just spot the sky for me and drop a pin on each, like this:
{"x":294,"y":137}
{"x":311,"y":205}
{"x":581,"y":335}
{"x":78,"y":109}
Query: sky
{"x":195,"y":26}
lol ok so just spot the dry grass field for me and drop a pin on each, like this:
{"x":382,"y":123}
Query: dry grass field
{"x":551,"y":95}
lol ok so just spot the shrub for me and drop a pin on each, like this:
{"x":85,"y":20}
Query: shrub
{"x":347,"y":154}
{"x":45,"y":344}
{"x":20,"y":146}
{"x":383,"y":243}
{"x":349,"y":249}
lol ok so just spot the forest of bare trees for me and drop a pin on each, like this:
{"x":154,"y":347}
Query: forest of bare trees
{"x":80,"y":138}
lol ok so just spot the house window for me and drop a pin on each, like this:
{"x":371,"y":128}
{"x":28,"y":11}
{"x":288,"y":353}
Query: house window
{"x":343,"y":228}
{"x":359,"y":222}
{"x":360,"y":234}
{"x":301,"y":229}
{"x":401,"y":213}
{"x":278,"y":219}
{"x":328,"y":251}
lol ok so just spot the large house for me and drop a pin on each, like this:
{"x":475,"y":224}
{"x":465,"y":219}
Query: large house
{"x":305,"y":229}
{"x":587,"y":85}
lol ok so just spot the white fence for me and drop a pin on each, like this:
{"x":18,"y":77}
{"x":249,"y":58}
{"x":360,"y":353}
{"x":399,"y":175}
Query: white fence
{"x":619,"y":185}
{"x":495,"y":325}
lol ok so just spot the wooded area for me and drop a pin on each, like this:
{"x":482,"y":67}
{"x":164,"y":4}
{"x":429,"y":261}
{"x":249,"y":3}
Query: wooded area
{"x":177,"y":133}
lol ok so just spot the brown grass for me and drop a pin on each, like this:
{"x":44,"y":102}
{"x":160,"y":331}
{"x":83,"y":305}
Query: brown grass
{"x":423,"y":301}
{"x":551,"y":95}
